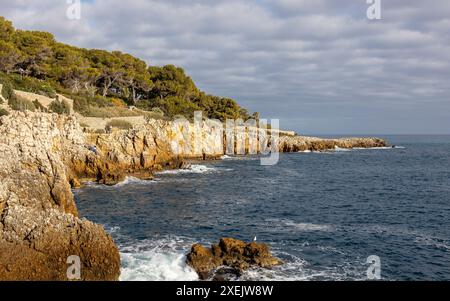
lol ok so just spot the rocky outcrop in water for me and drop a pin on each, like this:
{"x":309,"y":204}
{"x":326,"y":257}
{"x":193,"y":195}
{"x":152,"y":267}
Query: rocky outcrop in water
{"x":235,"y":256}
{"x":302,"y":143}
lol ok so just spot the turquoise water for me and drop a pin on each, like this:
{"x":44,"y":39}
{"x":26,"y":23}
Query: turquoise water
{"x":322,"y":213}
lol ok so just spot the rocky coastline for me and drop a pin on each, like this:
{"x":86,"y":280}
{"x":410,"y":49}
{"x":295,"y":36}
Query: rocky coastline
{"x":43,"y":156}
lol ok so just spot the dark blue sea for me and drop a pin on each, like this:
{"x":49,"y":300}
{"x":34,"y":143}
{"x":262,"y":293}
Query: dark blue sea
{"x":323,"y":213}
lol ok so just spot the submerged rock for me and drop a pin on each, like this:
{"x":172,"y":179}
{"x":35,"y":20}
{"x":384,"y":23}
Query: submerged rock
{"x":229,"y":257}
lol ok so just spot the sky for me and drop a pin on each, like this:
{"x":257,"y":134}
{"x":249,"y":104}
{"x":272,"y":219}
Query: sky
{"x":319,"y":66}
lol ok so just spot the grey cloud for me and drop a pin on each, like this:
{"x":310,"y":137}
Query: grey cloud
{"x":320,"y":66}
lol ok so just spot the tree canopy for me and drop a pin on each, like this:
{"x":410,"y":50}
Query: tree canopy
{"x":100,"y":74}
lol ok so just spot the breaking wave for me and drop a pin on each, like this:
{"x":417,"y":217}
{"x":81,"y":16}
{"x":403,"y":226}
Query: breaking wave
{"x":133,"y":180}
{"x":156,"y":260}
{"x":193,"y":169}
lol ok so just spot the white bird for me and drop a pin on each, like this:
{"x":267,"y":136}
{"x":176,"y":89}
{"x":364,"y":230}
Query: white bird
{"x":254,"y":239}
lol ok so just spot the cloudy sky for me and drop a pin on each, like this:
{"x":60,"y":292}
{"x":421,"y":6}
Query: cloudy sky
{"x":320,"y":66}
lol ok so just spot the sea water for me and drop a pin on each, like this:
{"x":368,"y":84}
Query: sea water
{"x":322,"y":213}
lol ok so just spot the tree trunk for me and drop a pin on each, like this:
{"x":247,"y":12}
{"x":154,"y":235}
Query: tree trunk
{"x":106,"y":87}
{"x":133,"y":94}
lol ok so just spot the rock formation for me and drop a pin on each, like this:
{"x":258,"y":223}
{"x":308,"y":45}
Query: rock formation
{"x":302,"y":143}
{"x":230,"y":253}
{"x":39,"y":227}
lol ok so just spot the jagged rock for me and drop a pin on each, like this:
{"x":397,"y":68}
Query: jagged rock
{"x":226,"y":274}
{"x":184,"y":165}
{"x":230,"y":256}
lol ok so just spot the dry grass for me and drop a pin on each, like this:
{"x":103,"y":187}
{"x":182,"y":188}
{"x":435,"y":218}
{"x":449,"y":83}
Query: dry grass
{"x":120,"y":124}
{"x":111,"y":112}
{"x":151,"y":115}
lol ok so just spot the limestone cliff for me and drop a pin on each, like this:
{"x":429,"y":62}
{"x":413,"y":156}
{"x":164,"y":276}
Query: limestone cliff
{"x":39,"y":227}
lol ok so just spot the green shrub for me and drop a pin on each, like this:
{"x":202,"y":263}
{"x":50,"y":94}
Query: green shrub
{"x":3,"y":112}
{"x":60,"y":107}
{"x":173,"y":106}
{"x":21,"y":104}
{"x":120,"y":124}
{"x":47,"y":91}
{"x":158,"y":111}
{"x":7,"y":90}
{"x":101,"y":101}
{"x":80,"y":104}
{"x":39,"y":106}
{"x":92,"y":106}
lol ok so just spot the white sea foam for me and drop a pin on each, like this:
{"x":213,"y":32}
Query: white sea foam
{"x":112,"y":230}
{"x":159,"y":260}
{"x":292,"y":269}
{"x":339,"y":149}
{"x":241,"y":157}
{"x":193,"y":169}
{"x":327,"y":152}
{"x":133,"y":180}
{"x":128,"y":180}
{"x":308,"y":226}
{"x":379,"y":148}
{"x":305,"y":151}
{"x":432,"y":242}
{"x":297,"y":269}
{"x":90,"y":183}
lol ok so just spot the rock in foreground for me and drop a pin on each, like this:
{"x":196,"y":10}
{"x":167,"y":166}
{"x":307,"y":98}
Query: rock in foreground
{"x":233,"y":254}
{"x":39,"y":224}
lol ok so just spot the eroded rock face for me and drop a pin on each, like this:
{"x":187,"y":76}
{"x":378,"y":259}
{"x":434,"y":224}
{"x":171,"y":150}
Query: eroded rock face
{"x":232,"y":255}
{"x":139,"y":152}
{"x":41,"y":157}
{"x":302,"y":143}
{"x":39,"y":224}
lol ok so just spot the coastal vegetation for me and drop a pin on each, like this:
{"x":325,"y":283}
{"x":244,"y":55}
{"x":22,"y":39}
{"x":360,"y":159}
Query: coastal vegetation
{"x":60,"y":107}
{"x":3,"y":112}
{"x":101,"y":81}
{"x":20,"y":104}
{"x":120,"y":124}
